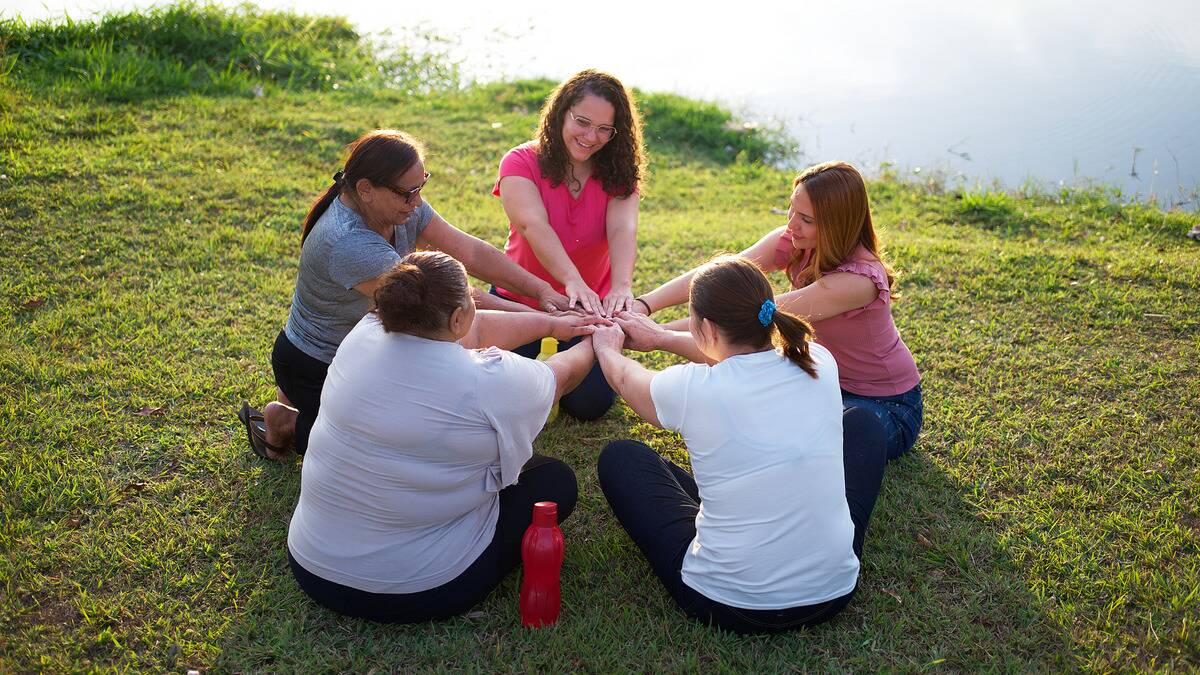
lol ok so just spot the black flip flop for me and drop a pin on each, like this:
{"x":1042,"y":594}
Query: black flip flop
{"x":256,"y":432}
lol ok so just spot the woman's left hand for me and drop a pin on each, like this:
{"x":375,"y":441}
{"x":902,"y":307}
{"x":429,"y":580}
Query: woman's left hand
{"x":551,"y":300}
{"x":642,"y":331}
{"x":619,"y":299}
{"x":571,"y":325}
{"x":607,"y":337}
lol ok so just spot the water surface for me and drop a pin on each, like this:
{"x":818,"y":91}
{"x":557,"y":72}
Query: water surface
{"x":1020,"y":92}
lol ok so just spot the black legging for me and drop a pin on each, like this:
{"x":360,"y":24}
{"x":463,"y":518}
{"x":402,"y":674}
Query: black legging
{"x":300,"y":377}
{"x":542,"y":479}
{"x":657,"y":502}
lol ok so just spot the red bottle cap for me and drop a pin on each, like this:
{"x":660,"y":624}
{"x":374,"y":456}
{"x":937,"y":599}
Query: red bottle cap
{"x":545,"y":514}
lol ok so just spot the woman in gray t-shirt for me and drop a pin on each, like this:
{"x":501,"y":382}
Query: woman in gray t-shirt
{"x":355,"y":231}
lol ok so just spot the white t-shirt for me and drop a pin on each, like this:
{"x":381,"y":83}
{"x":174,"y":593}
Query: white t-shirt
{"x":765,"y":440}
{"x":415,"y":439}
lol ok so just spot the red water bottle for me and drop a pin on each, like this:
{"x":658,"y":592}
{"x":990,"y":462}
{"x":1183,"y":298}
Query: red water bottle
{"x":542,"y":556}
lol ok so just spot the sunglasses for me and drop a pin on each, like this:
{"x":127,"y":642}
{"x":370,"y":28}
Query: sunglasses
{"x":408,"y":195}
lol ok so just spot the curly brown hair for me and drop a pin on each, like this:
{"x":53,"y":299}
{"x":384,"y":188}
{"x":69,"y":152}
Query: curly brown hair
{"x":621,"y":163}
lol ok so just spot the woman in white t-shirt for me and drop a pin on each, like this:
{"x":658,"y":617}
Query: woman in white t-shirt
{"x":769,"y":533}
{"x":410,"y":507}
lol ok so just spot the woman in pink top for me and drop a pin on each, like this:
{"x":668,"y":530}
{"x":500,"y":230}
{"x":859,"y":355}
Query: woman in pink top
{"x":840,"y":283}
{"x":571,"y":200}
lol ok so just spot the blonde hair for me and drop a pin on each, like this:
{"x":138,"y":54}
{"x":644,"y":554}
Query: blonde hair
{"x":839,"y":200}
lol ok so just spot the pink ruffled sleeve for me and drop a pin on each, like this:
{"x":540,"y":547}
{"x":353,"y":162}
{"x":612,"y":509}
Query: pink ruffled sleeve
{"x":873,"y":270}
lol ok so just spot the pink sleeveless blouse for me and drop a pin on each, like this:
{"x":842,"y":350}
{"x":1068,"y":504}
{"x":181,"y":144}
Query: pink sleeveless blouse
{"x":872,"y":359}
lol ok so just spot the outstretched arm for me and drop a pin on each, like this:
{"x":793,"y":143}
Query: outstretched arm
{"x":621,"y":227}
{"x":629,"y":378}
{"x":829,"y":296}
{"x":485,"y":300}
{"x":675,"y":291}
{"x":484,"y":261}
{"x":571,"y":366}
{"x":525,"y":210}
{"x":644,"y":335}
{"x":508,"y":330}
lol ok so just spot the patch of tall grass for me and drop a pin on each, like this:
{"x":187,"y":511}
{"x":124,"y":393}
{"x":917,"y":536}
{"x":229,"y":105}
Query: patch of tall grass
{"x":696,"y":130}
{"x":194,"y":47}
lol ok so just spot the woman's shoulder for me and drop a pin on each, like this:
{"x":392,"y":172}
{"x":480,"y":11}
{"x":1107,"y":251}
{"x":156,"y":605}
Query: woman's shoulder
{"x":860,"y":254}
{"x":501,"y":374}
{"x":330,"y":229}
{"x":338,"y":219}
{"x":822,"y":357}
{"x":864,"y":262}
{"x":520,"y":161}
{"x":496,"y":362}
{"x":525,"y":151}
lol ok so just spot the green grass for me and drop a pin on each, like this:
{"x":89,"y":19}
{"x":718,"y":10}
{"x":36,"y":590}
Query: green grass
{"x":1047,"y":519}
{"x":204,"y":47}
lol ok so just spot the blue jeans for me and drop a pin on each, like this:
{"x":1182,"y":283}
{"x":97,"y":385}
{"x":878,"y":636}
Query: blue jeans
{"x":900,"y":415}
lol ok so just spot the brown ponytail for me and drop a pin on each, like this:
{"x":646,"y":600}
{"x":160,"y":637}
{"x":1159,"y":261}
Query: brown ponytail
{"x":380,"y":156}
{"x":732,"y":293}
{"x":792,"y":335}
{"x":419,"y":294}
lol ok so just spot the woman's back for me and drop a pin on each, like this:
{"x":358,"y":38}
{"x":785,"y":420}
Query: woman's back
{"x":765,"y":441}
{"x":414,"y":441}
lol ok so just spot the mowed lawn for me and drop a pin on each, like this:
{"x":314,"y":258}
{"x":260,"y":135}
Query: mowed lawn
{"x":1046,"y":520}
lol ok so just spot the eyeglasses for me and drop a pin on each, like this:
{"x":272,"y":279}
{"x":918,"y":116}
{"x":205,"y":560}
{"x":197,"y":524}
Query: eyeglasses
{"x":604,"y":131}
{"x":408,"y":195}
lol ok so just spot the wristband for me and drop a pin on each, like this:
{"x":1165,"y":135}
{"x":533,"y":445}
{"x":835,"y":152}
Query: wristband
{"x":646,"y":305}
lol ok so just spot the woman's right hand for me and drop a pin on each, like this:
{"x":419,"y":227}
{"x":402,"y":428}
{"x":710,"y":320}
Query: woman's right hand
{"x":607,"y":337}
{"x":578,"y":294}
{"x":568,"y":325}
{"x":641,"y":332}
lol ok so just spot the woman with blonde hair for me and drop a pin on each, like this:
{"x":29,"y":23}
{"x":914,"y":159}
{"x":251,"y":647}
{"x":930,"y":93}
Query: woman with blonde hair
{"x":768,"y":534}
{"x":840,"y":283}
{"x":571,"y":197}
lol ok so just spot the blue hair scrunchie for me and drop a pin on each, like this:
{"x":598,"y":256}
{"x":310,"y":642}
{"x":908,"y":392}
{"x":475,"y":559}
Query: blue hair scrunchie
{"x":767,"y":312}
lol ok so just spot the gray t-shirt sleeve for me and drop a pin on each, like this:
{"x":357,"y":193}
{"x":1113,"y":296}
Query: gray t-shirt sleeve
{"x":358,"y":256}
{"x":361,"y":255}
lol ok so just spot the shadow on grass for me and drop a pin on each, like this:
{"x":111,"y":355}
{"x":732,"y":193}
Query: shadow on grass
{"x":937,"y":589}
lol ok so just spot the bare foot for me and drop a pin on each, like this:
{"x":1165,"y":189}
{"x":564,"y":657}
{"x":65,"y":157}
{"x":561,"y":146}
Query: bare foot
{"x":281,"y":427}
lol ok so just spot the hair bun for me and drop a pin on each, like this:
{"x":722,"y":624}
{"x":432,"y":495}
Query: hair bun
{"x":420,"y":292}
